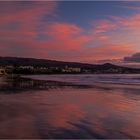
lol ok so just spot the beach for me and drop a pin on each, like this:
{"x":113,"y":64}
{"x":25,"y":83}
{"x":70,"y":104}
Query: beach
{"x":70,"y":106}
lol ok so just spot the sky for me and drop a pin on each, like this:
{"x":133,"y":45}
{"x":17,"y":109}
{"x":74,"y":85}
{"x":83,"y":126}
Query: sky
{"x":81,"y":31}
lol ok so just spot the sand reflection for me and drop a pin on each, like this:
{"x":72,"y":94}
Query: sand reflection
{"x":69,"y":112}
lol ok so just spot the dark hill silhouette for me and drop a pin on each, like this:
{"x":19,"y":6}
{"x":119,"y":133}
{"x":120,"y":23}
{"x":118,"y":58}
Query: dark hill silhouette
{"x":94,"y":68}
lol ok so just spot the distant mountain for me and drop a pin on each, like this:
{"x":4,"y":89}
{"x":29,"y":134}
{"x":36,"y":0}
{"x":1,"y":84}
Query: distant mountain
{"x":17,"y":61}
{"x":91,"y":68}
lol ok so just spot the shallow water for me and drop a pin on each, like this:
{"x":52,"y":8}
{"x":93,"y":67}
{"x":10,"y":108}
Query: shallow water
{"x":70,"y":106}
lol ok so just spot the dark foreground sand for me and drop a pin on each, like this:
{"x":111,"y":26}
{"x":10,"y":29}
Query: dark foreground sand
{"x":50,"y":109}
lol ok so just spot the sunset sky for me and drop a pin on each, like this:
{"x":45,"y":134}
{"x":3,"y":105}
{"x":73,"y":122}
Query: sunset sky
{"x":71,"y":31}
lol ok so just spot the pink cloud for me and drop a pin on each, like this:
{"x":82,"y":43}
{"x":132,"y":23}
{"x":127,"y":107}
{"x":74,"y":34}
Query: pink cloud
{"x":68,"y":41}
{"x":130,"y":22}
{"x":108,"y":51}
{"x":66,"y":36}
{"x":19,"y":13}
{"x":102,"y":26}
{"x":102,"y":37}
{"x":27,"y":17}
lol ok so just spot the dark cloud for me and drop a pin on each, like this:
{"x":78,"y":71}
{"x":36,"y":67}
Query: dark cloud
{"x":134,"y":58}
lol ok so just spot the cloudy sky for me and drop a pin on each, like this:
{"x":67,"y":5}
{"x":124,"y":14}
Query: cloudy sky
{"x":92,"y":31}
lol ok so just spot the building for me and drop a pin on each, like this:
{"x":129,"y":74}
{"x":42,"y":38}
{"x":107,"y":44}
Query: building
{"x":71,"y":70}
{"x":26,"y":67}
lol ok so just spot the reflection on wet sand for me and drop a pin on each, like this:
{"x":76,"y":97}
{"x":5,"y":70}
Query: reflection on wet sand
{"x":68,"y":112}
{"x":20,"y":84}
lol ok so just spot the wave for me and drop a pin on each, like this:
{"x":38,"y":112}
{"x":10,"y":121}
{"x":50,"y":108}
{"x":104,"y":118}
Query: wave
{"x":91,"y":79}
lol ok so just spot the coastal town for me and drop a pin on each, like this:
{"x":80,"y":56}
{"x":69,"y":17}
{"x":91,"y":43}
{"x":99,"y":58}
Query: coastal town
{"x":4,"y":70}
{"x":15,"y":65}
{"x":100,"y":69}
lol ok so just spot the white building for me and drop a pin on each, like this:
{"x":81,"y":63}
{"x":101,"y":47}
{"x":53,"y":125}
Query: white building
{"x":71,"y":69}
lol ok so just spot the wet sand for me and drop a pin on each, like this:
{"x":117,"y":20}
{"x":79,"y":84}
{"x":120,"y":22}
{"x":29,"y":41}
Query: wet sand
{"x":57,"y":109}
